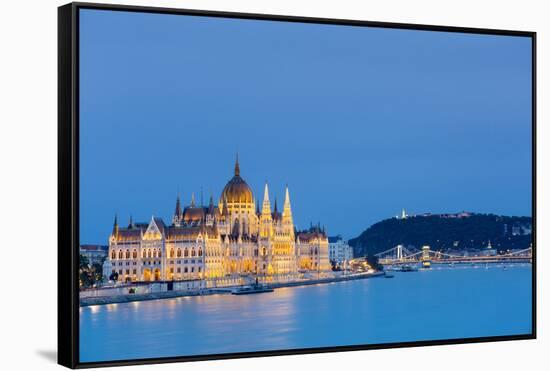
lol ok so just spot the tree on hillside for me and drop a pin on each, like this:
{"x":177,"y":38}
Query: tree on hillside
{"x":444,"y":233}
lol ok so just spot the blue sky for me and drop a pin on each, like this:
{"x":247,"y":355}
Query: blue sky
{"x":360,"y":122}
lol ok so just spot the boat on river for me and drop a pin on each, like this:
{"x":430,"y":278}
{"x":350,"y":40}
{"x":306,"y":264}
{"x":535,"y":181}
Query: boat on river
{"x":255,"y":288}
{"x":407,"y":268}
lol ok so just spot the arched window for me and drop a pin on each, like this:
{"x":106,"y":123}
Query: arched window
{"x":171,"y":253}
{"x":144,"y":254}
{"x":149,"y":253}
{"x":192,"y":252}
{"x":160,"y":253}
{"x":186,"y":253}
{"x":134,"y":254}
{"x":179,"y":253}
{"x":113,"y":254}
{"x":120,"y":254}
{"x":127,"y":254}
{"x":200,"y":252}
{"x":154,"y":253}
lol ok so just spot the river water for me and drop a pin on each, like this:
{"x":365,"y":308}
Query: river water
{"x":438,"y":303}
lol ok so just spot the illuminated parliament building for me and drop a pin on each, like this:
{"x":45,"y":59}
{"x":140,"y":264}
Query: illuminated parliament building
{"x":236,"y":236}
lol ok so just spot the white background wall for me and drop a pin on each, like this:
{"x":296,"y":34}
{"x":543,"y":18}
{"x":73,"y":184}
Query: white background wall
{"x":28,"y":150}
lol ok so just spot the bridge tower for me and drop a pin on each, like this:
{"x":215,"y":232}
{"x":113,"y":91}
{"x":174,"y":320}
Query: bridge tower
{"x":399,"y":252}
{"x":426,"y":261}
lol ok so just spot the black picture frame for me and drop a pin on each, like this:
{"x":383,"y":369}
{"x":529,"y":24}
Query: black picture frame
{"x":68,"y":181}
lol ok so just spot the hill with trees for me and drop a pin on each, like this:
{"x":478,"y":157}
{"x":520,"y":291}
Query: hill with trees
{"x":445,"y":232}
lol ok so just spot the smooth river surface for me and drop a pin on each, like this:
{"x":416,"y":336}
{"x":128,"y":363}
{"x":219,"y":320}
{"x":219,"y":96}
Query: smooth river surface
{"x":439,"y":303}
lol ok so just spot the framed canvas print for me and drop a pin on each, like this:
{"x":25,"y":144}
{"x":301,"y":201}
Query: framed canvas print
{"x":237,"y":185}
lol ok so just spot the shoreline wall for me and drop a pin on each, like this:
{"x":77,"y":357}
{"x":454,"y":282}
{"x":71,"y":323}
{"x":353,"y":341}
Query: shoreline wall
{"x":160,"y":292}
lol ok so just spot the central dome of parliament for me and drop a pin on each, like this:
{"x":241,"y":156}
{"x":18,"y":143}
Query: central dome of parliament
{"x":236,"y":190}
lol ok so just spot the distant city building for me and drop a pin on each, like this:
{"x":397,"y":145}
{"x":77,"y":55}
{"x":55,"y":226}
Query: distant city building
{"x":94,"y":253}
{"x":339,"y":250}
{"x":236,"y":236}
{"x":463,"y":214}
{"x":488,"y":251}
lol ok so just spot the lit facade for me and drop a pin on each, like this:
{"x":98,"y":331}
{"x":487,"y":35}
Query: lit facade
{"x":339,"y":250}
{"x":233,"y":237}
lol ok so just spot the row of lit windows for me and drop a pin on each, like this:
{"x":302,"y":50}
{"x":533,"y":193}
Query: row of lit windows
{"x":154,"y":253}
{"x":127,"y":263}
{"x":186,"y":270}
{"x":134,"y":272}
{"x":185,"y":261}
{"x":185,"y":252}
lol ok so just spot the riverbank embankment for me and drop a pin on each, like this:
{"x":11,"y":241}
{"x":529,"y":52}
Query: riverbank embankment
{"x":127,"y":298}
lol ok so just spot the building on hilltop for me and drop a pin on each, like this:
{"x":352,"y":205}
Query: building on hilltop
{"x":235,"y":236}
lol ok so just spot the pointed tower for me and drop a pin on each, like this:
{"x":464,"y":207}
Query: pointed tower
{"x":211,"y":208}
{"x":237,"y":168}
{"x":225,"y":223}
{"x":266,"y":221}
{"x":192,"y":199}
{"x":115,"y":226}
{"x":178,"y":212}
{"x":131,"y":223}
{"x":288,"y":223}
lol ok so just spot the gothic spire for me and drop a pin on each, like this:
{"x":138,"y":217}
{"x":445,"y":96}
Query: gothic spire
{"x":193,"y":199}
{"x":286,"y":209}
{"x":177,"y":212}
{"x":115,"y":225}
{"x":288,"y":223}
{"x":211,"y":205}
{"x":266,"y":207}
{"x":237,"y":168}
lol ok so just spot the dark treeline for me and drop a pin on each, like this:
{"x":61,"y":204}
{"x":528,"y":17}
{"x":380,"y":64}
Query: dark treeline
{"x":445,"y":233}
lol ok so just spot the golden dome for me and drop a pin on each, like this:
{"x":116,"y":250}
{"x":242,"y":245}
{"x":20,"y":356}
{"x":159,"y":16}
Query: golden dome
{"x":236,"y":190}
{"x":193,"y":214}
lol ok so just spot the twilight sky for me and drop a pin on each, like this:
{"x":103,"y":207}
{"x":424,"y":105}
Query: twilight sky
{"x":360,"y":122}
